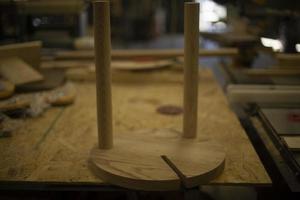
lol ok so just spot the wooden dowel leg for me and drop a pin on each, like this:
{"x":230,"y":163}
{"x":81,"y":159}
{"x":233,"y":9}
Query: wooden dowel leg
{"x":191,"y":49}
{"x":103,"y":74}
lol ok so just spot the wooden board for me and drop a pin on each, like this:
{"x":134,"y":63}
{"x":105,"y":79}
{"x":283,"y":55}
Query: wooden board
{"x":55,"y":147}
{"x":120,"y":65}
{"x":14,"y":104}
{"x":135,"y":160}
{"x":18,"y":72}
{"x":272,"y":72}
{"x":136,"y":65}
{"x":157,"y":53}
{"x":28,"y":52}
{"x":53,"y":78}
{"x":292,"y":142}
{"x":64,"y":95}
{"x":248,"y":93}
{"x":231,"y":38}
{"x":39,"y":101}
{"x":66,"y":64}
{"x":6,"y":89}
{"x":288,"y":60}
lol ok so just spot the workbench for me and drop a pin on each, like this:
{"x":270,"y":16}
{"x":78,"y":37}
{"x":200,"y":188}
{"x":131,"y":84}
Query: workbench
{"x":53,"y":149}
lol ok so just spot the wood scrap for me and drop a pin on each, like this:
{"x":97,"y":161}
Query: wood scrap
{"x":120,"y":65}
{"x":62,"y":96}
{"x":141,"y":65}
{"x":34,"y":104}
{"x":14,"y":104}
{"x":18,"y":72}
{"x":66,"y":64}
{"x":53,"y":78}
{"x":272,"y":72}
{"x":157,"y":53}
{"x":263,"y":93}
{"x":29,"y":52}
{"x":292,"y":142}
{"x":286,"y":60}
{"x":6,"y":89}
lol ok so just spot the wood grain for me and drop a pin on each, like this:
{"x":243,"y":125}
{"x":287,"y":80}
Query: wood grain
{"x":30,"y":52}
{"x":191,"y":48}
{"x":103,"y":74}
{"x":18,"y":72}
{"x":135,"y":161}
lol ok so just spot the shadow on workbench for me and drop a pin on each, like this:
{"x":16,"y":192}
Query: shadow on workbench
{"x":208,"y":193}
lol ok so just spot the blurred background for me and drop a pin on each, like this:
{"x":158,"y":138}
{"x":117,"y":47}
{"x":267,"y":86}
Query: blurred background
{"x":273,"y":24}
{"x":62,"y":23}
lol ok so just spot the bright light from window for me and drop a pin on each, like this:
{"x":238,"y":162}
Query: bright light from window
{"x":210,"y":13}
{"x":275,"y":44}
{"x":298,"y":47}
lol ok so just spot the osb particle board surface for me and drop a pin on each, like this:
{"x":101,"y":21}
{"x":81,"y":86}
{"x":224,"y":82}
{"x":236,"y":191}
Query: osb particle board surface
{"x":56,"y":146}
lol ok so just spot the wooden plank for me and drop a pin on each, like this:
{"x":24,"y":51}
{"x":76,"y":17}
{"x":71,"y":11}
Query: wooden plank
{"x":6,"y":89}
{"x":18,"y":72}
{"x":28,"y":51}
{"x":272,"y":72}
{"x":263,"y":93}
{"x":132,"y":53}
{"x":292,"y":142}
{"x":286,"y":60}
{"x":44,"y":149}
{"x":120,"y":65}
{"x":66,"y":64}
{"x":52,"y":78}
